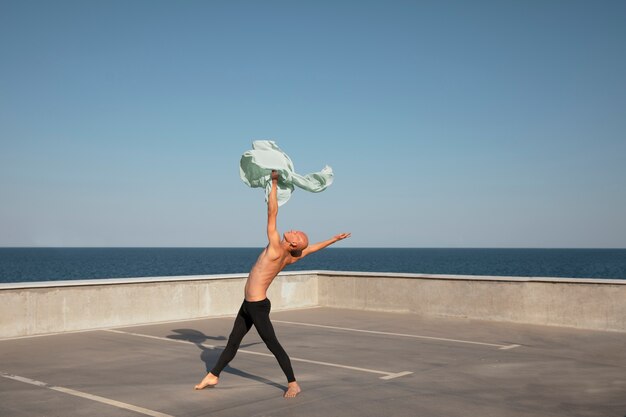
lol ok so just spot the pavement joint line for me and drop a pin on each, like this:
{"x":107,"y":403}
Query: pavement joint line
{"x":85,"y":395}
{"x":387,"y":375}
{"x":499,"y":346}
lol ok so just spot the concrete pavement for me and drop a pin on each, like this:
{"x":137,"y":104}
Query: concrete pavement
{"x":348,"y":362}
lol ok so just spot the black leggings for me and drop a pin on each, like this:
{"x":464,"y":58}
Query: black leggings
{"x":257,"y":313}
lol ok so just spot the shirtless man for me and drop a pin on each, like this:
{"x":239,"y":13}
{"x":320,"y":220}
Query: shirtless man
{"x":256,"y":307}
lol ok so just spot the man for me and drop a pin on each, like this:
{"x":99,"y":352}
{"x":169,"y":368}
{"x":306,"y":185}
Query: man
{"x":256,"y":307}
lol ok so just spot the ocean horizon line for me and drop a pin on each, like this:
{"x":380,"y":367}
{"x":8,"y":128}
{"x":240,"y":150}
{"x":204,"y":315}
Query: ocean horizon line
{"x":34,"y":263}
{"x":331,"y":248}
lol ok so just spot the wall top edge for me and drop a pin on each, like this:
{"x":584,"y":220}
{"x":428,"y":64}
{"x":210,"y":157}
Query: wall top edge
{"x":116,"y":281}
{"x":470,"y":277}
{"x":143,"y":280}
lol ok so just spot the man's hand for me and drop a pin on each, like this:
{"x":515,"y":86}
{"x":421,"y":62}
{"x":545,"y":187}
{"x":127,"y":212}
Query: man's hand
{"x":275,"y":175}
{"x":343,"y":236}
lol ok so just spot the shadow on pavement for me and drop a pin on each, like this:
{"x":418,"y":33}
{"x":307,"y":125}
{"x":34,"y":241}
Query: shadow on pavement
{"x":209,"y":355}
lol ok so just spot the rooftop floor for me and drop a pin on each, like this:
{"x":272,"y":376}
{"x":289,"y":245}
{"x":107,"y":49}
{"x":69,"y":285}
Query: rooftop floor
{"x":348,"y":363}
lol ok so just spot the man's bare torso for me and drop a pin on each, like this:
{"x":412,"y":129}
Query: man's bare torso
{"x":263,"y":273}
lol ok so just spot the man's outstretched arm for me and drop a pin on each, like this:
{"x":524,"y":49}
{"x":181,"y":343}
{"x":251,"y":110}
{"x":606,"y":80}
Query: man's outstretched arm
{"x":321,"y":245}
{"x":272,"y":212}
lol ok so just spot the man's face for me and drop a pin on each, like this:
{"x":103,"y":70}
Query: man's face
{"x":297,"y":240}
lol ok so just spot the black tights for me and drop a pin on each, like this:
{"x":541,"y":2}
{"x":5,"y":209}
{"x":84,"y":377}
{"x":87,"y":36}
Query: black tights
{"x":257,"y":313}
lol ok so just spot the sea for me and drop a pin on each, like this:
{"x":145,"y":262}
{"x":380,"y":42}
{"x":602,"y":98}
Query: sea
{"x":54,"y":264}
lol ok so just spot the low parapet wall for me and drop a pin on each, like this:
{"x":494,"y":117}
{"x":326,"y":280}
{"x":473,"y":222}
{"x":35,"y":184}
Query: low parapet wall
{"x":598,"y":304}
{"x":61,"y":306}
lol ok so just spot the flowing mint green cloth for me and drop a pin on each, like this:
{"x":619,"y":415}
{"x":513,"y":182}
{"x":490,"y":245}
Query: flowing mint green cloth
{"x":256,"y":165}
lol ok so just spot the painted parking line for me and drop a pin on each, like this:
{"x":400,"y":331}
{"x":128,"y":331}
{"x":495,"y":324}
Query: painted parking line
{"x":86,"y":395}
{"x":386,"y":375}
{"x":499,"y":346}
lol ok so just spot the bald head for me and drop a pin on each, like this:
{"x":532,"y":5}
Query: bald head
{"x":297,"y":241}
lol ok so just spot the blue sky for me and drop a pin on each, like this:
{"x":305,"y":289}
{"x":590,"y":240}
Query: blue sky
{"x":447,"y":123}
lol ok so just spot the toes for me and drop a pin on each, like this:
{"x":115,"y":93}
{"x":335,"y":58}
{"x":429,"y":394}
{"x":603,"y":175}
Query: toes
{"x":290,"y":394}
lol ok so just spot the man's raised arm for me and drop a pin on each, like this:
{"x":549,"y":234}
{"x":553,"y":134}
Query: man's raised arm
{"x":272,"y":212}
{"x":321,"y":245}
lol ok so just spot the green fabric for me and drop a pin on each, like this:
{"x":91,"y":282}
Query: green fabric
{"x":256,"y":166}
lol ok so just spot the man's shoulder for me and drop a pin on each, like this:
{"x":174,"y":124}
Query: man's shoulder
{"x":273,"y":253}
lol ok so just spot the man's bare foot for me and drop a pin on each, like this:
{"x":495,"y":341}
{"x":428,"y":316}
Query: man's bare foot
{"x":292,"y":390}
{"x":209,"y":380}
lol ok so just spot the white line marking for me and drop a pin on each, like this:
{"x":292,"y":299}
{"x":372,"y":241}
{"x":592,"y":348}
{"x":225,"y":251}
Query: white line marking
{"x":509,"y":347}
{"x":161,"y":338}
{"x":392,"y":376}
{"x":398,"y":334}
{"x":388,"y":375}
{"x":325,"y":363}
{"x":95,"y":329}
{"x":92,"y":397}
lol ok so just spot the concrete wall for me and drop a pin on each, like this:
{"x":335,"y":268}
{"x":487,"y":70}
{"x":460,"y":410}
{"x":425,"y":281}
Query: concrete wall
{"x":50,"y":307}
{"x":584,"y":303}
